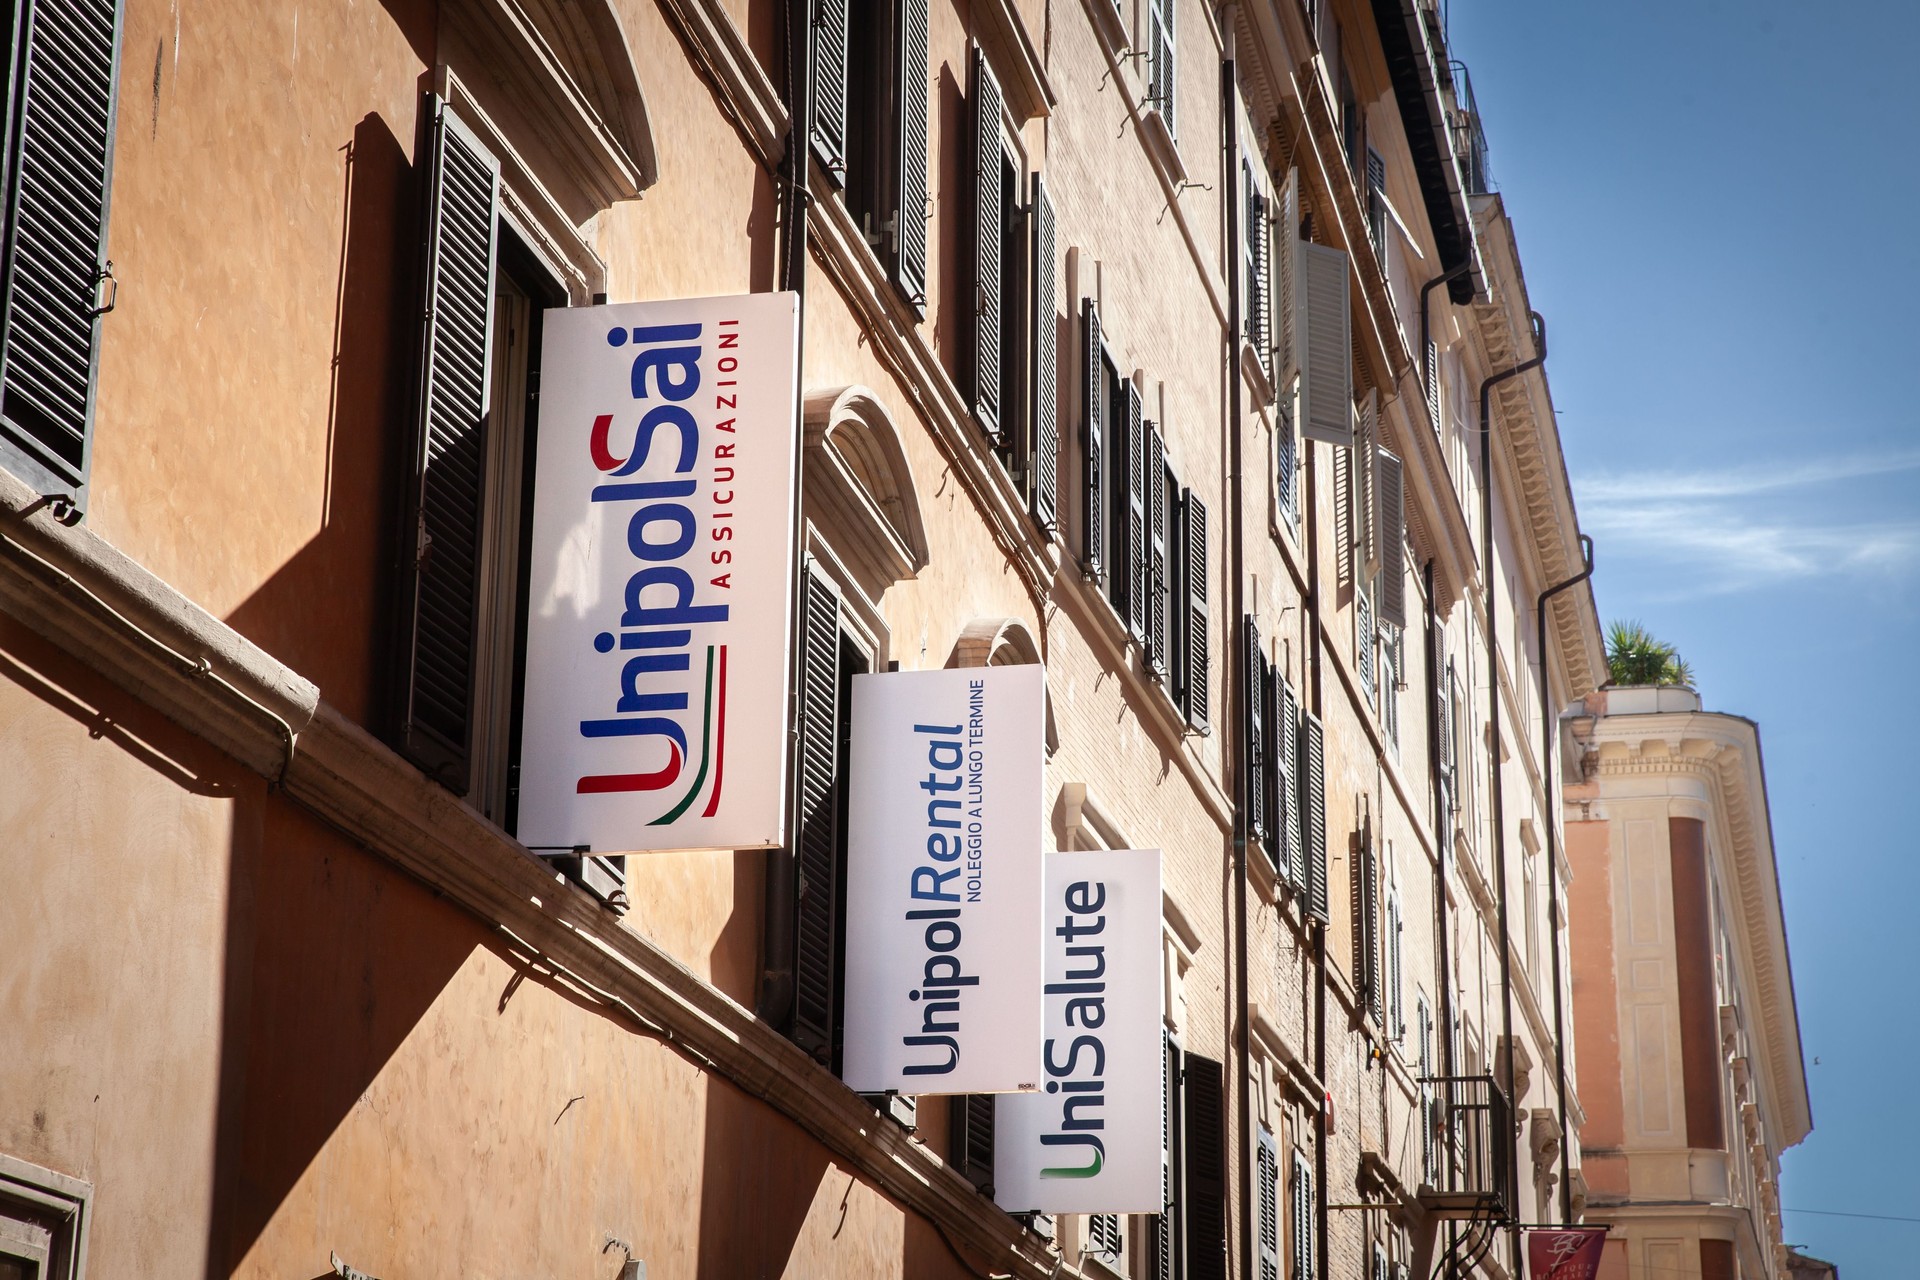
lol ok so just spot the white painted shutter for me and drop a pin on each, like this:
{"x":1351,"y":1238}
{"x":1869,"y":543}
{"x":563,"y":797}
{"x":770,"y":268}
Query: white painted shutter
{"x":1324,"y":334}
{"x":1286,"y":217}
{"x":1366,"y":446}
{"x":1390,"y":505}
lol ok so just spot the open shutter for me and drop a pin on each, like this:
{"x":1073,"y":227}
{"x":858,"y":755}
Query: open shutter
{"x":1286,"y":217}
{"x":1164,"y":1231}
{"x":1273,"y":781}
{"x":911,"y":211}
{"x":60,"y":97}
{"x":1093,"y":453}
{"x":1377,"y":201}
{"x":1161,"y":59}
{"x":987,"y":220}
{"x":817,"y":778}
{"x":1284,"y":449}
{"x":1313,"y":782}
{"x":1046,"y":364}
{"x":1133,"y":440}
{"x":829,"y":133}
{"x":1285,"y":734}
{"x":1259,"y":259}
{"x":450,"y":416}
{"x":1366,"y":447}
{"x":1325,"y":338}
{"x":1196,"y":657}
{"x":1253,"y":740}
{"x":1456,"y":706}
{"x":1430,"y":377}
{"x":1158,"y":586}
{"x":1396,"y":1005}
{"x":1365,"y":887}
{"x":1301,"y":1228}
{"x":1206,"y":1168}
{"x":1266,"y":1173}
{"x":1389,"y":500}
{"x":1363,"y":645}
{"x":1442,"y":695}
{"x":972,"y":1122}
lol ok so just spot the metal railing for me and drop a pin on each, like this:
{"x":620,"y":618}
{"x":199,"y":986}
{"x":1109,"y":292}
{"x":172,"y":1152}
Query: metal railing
{"x":1469,"y":1145}
{"x":1469,"y":139}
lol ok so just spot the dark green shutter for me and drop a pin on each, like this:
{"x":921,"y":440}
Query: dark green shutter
{"x":1286,"y":738}
{"x":972,"y":1122}
{"x":1313,"y":786}
{"x":1158,"y":587}
{"x":1267,"y":1204}
{"x":816,"y":846}
{"x":987,"y":219}
{"x":1127,"y":587}
{"x":1278,"y":773}
{"x":61,"y":95}
{"x":910,"y":111}
{"x":1164,"y":1230}
{"x":449,"y":450}
{"x":1093,"y":453}
{"x":1253,"y":737}
{"x":829,"y":134}
{"x":1364,"y":885}
{"x":1194,"y":655}
{"x":1046,"y":363}
{"x":1204,"y":1093}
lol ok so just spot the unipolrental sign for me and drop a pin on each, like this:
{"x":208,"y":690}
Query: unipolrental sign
{"x":943,"y":961}
{"x":1086,"y":1143}
{"x":661,"y":575}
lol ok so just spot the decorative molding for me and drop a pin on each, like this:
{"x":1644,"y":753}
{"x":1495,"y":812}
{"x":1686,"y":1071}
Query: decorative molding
{"x":1023,"y":75}
{"x":859,"y":483}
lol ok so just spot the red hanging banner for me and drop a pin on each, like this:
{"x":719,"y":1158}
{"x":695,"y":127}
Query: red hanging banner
{"x":1565,"y":1253}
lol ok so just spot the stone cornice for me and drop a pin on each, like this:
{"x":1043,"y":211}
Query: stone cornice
{"x":94,"y":602}
{"x":1721,"y":753}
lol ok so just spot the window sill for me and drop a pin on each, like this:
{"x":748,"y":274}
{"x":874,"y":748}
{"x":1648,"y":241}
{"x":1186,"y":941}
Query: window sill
{"x":1256,"y":372}
{"x":1162,"y":147}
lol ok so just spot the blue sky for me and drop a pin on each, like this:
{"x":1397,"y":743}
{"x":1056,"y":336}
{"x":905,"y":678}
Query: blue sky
{"x":1714,"y":204}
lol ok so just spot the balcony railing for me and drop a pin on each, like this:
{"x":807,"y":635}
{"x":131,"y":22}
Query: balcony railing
{"x":1469,"y":139}
{"x":1469,"y":1148}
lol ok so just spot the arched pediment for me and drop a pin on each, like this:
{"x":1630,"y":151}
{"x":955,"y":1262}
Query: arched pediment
{"x":859,"y":488}
{"x":558,"y":78}
{"x":1004,"y":642}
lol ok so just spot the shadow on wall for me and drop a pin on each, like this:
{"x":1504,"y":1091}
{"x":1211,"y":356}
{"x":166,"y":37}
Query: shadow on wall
{"x":325,"y":611}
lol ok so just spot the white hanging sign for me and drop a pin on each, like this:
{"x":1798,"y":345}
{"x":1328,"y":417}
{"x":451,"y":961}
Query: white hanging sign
{"x":944,"y":881}
{"x":1088,"y":1143}
{"x":661,"y":575}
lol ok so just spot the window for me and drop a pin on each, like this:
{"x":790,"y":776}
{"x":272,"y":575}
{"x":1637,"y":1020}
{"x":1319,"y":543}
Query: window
{"x":1285,"y":471}
{"x":1313,"y":813}
{"x":1160,"y":62}
{"x":1283,"y":737}
{"x":1428,"y":1101}
{"x":1254,"y":760}
{"x":1396,"y":1006}
{"x":1365,"y":884}
{"x":1185,"y":1238}
{"x":1106,"y":1241}
{"x":1257,"y":246}
{"x":55,"y":281}
{"x":1376,"y":201}
{"x":1300,"y":1220}
{"x":1266,"y":1189}
{"x":44,"y":1221}
{"x":870,"y":127}
{"x":1164,"y":1234}
{"x":1364,"y":637}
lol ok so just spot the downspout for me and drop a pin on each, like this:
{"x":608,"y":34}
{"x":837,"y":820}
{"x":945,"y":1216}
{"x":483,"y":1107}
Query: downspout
{"x":1496,"y":791}
{"x":1553,"y":873}
{"x":1244,"y":683}
{"x":1310,"y":505}
{"x":782,"y":884}
{"x":1441,"y":840}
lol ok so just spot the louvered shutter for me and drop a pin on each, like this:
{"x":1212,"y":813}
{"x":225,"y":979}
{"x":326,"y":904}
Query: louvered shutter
{"x":1366,"y":448}
{"x":1390,"y":506}
{"x":1377,"y":201}
{"x":61,"y":95}
{"x":1204,"y":1089}
{"x":1093,"y":453}
{"x":1253,"y":740}
{"x":1286,"y":259}
{"x":1431,"y":370}
{"x":1285,"y":735}
{"x":972,"y":1122}
{"x":1313,"y":779}
{"x":816,"y":774}
{"x":1104,"y":1236}
{"x":829,"y":134}
{"x":1165,"y":1230}
{"x":1442,"y":695}
{"x":1423,"y":1028}
{"x":1363,"y":645}
{"x":1266,"y":1160}
{"x":1158,"y":586}
{"x":1046,"y":364}
{"x":448,"y":481}
{"x":1134,"y":446}
{"x":1258,"y":238}
{"x":1195,"y":646}
{"x":1301,"y":1228}
{"x":1325,"y":338}
{"x":1161,"y":60}
{"x":910,"y":111}
{"x":1456,"y":706}
{"x":1274,"y":774}
{"x":987,"y":219}
{"x":1396,"y":1001}
{"x":1365,"y":884}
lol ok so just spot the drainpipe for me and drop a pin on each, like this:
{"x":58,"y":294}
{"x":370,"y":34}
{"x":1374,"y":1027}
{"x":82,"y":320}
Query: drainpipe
{"x":1243,"y":685}
{"x":1496,"y":791}
{"x":782,"y":885}
{"x":1312,"y":656}
{"x":1553,"y":873}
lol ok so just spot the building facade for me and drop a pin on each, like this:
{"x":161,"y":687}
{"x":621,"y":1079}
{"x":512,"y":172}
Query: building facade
{"x":1691,"y":1068}
{"x":1183,"y":350}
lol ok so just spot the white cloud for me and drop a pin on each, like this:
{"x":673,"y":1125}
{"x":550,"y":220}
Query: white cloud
{"x":1737,"y":482}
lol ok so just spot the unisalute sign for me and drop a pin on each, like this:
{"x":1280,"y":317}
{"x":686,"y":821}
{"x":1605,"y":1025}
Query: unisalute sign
{"x":944,"y":881}
{"x":1088,"y":1142}
{"x":657,"y":619}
